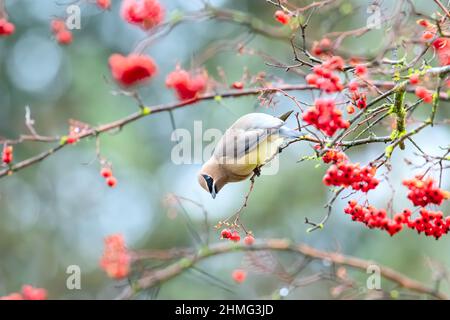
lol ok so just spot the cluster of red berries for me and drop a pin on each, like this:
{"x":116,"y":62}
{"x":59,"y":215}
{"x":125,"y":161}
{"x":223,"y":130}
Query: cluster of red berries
{"x":234,"y":236}
{"x":116,"y":259}
{"x":132,"y":69}
{"x":106,"y":173}
{"x":424,"y":94}
{"x":325,"y":116}
{"x":423,"y":192}
{"x":441,"y":45}
{"x":431,"y":223}
{"x":282,"y":17}
{"x":324,"y":46}
{"x":187,"y":85}
{"x":7,"y":155}
{"x":28,"y":293}
{"x":348,"y":174}
{"x":359,"y":99}
{"x":6,"y":28}
{"x":104,"y":4}
{"x":62,"y":34}
{"x":144,"y":13}
{"x":334,"y":156}
{"x":324,"y":76}
{"x":373,"y":217}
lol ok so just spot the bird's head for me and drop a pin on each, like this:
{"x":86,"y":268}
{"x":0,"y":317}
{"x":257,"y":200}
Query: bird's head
{"x":211,"y":178}
{"x":207,"y":182}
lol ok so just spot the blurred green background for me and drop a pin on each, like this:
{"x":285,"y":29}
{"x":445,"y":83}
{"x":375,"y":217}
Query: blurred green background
{"x":56,"y":213}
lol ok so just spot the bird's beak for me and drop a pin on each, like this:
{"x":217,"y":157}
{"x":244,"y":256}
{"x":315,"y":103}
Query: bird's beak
{"x":213,"y":191}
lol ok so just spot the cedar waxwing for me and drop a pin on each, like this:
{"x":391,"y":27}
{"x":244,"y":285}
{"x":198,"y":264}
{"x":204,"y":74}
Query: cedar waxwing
{"x":250,"y":142}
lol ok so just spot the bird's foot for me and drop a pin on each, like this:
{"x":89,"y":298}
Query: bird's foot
{"x":257,"y":171}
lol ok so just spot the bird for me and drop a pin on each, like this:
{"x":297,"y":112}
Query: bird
{"x":249,"y":143}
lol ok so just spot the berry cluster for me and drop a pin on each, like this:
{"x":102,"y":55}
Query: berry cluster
{"x":348,"y":174}
{"x":441,"y":45}
{"x":424,"y":94}
{"x":324,"y":76}
{"x":104,"y":4}
{"x":230,"y":235}
{"x":133,"y":69}
{"x":234,"y":236}
{"x":116,"y":258}
{"x":144,"y":13}
{"x":7,"y":155}
{"x":373,"y":217}
{"x":431,"y":223}
{"x":423,"y":192}
{"x":106,"y":173}
{"x":325,"y":116}
{"x":334,"y":156}
{"x":359,"y":98}
{"x":282,"y":17}
{"x":6,"y":28}
{"x":62,"y":34}
{"x":187,"y":85}
{"x":322,"y":47}
{"x":28,"y":293}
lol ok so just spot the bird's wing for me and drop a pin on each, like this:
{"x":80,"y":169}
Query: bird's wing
{"x":245,"y":135}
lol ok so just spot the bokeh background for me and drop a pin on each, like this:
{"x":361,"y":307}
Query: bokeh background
{"x":56,"y":213}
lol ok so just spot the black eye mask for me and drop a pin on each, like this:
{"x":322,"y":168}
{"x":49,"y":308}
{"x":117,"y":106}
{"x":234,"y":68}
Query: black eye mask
{"x":209,"y":182}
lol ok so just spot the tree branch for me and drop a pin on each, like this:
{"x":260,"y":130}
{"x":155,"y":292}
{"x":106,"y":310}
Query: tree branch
{"x":165,"y":274}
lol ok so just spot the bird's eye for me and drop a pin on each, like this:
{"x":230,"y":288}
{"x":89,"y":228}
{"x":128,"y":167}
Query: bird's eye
{"x":209,"y":182}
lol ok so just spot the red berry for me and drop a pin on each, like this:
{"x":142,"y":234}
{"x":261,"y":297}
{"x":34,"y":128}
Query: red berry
{"x":239,"y":275}
{"x":225,"y":234}
{"x":7,"y":156}
{"x":104,"y":4}
{"x":187,"y":85}
{"x":414,"y":79}
{"x":111,"y":181}
{"x":249,"y":240}
{"x":131,"y":70}
{"x":144,"y":13}
{"x":235,"y":236}
{"x":321,"y":47}
{"x":31,"y":293}
{"x":6,"y":28}
{"x":116,"y":258}
{"x":423,"y":23}
{"x":325,"y":117}
{"x":350,"y":109}
{"x":360,"y":70}
{"x":282,"y":17}
{"x":238,"y":85}
{"x":71,"y":139}
{"x":423,"y":93}
{"x":106,"y":172}
{"x":427,"y":35}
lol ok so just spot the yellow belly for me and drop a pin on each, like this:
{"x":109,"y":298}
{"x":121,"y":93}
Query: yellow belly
{"x":241,"y":168}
